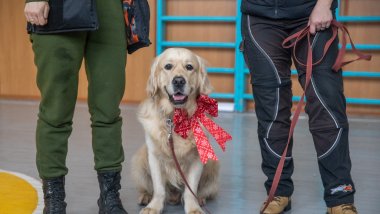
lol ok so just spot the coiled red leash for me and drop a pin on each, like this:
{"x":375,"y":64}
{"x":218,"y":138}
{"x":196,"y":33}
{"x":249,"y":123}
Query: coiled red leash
{"x":291,"y":42}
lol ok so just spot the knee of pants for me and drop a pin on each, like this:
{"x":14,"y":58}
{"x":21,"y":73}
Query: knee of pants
{"x":273,"y":110}
{"x":322,"y":119}
{"x":105,"y":110}
{"x":275,"y":146}
{"x":104,"y":101}
{"x":326,"y":103}
{"x":107,"y":115}
{"x":56,"y":114}
{"x":326,"y":140}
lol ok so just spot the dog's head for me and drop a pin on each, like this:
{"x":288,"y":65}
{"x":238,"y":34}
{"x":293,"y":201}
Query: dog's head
{"x":179,"y":76}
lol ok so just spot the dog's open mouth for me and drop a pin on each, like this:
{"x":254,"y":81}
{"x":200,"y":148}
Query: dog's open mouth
{"x":178,"y":98}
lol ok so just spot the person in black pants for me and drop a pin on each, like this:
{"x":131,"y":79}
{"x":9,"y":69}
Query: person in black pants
{"x":265,"y":25}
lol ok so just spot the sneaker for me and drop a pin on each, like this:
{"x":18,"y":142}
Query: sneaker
{"x":279,"y":205}
{"x":342,"y":209}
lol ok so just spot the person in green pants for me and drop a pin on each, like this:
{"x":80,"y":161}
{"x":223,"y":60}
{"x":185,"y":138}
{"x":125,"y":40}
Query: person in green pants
{"x":58,"y":58}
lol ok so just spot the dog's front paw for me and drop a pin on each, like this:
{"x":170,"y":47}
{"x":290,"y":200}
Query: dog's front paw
{"x":196,"y":211}
{"x":148,"y":210}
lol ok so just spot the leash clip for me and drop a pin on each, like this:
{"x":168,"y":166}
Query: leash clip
{"x":169,"y":124}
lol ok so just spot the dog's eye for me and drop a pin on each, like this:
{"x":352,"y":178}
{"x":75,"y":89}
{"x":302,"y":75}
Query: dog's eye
{"x":168,"y":66}
{"x":189,"y":67}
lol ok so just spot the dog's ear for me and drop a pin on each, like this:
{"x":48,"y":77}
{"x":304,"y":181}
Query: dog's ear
{"x":152,"y":86}
{"x":205,"y":86}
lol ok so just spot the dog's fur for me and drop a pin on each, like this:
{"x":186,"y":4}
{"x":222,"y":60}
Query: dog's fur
{"x":153,"y":166}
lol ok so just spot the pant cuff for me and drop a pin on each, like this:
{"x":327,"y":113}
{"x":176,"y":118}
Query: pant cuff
{"x":334,"y":203}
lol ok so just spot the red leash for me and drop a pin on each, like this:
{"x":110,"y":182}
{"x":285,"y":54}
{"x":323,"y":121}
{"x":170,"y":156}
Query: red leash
{"x":291,"y":42}
{"x":178,"y":166}
{"x":182,"y":124}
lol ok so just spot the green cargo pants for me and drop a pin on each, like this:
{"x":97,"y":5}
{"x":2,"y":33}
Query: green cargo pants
{"x":58,"y":59}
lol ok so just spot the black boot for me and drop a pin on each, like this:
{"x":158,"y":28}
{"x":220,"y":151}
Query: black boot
{"x":54,"y":195}
{"x":109,"y":201}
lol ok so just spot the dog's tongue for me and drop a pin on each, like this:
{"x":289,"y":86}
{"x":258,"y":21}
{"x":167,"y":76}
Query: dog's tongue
{"x":178,"y":97}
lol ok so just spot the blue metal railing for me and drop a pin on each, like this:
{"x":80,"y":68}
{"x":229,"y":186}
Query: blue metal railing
{"x":198,"y":18}
{"x":239,"y":96}
{"x":198,"y":44}
{"x":239,"y":83}
{"x":354,"y":18}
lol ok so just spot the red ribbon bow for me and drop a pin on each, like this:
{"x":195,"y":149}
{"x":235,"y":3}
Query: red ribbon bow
{"x":182,"y":124}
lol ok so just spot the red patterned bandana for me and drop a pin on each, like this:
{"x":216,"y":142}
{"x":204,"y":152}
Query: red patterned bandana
{"x":182,"y":124}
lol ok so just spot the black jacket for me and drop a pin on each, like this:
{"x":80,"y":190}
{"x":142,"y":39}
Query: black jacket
{"x":67,"y":16}
{"x":280,"y":9}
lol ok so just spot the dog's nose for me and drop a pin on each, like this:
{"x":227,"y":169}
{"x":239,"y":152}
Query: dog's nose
{"x":178,"y":82}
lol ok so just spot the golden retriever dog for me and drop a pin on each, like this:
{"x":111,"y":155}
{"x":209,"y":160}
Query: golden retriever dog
{"x":177,"y":78}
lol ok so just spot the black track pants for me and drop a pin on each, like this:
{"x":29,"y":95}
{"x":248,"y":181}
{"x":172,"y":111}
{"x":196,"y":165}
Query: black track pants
{"x":269,"y":64}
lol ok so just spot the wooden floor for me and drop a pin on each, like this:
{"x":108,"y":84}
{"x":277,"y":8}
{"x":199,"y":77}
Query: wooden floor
{"x":241,"y":179}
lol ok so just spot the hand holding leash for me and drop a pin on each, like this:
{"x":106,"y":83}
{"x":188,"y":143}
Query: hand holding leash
{"x":321,"y":17}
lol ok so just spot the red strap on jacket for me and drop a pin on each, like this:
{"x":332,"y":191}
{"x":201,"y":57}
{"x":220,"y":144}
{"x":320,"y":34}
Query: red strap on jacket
{"x":291,"y":42}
